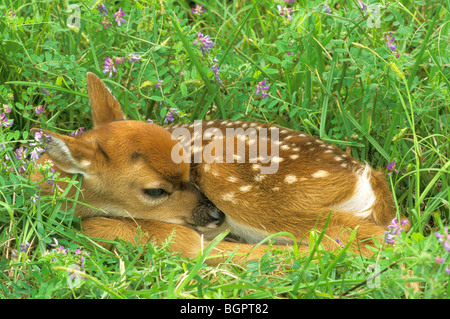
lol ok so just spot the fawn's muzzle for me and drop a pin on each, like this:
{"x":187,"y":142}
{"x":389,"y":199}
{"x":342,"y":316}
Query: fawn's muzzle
{"x":206,"y":214}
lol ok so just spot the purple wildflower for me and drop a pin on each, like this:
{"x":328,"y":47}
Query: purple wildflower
{"x":45,"y":92}
{"x":39,"y":109}
{"x":78,"y":132}
{"x":262,"y":87}
{"x":447,"y":270}
{"x":391,"y":46}
{"x":206,"y":43}
{"x":6,"y":108}
{"x":20,"y":153}
{"x":102,"y":9}
{"x":134,"y":58}
{"x":59,"y":249}
{"x":119,"y":14}
{"x":170,"y":116}
{"x":444,"y":239}
{"x":362,"y":7}
{"x":289,"y":1}
{"x":215,"y":69}
{"x":394,"y":231}
{"x":326,"y":8}
{"x":105,"y":23}
{"x":391,"y":167}
{"x":33,"y":199}
{"x":198,"y":9}
{"x":4,"y":121}
{"x":23,"y":247}
{"x":119,"y":60}
{"x":109,"y":66}
{"x":285,"y":12}
{"x":36,"y":154}
{"x":158,"y":84}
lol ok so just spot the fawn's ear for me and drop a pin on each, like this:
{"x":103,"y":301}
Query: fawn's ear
{"x":105,"y":107}
{"x":71,"y":155}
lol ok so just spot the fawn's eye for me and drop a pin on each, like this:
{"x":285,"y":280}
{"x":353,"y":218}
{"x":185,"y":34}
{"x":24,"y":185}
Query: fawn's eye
{"x":155,"y":192}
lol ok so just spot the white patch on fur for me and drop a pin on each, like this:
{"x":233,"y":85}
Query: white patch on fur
{"x":245,"y":188}
{"x":232,"y":179}
{"x":259,"y":177}
{"x":320,"y":173}
{"x":363,"y":198}
{"x":289,"y":179}
{"x":229,"y":197}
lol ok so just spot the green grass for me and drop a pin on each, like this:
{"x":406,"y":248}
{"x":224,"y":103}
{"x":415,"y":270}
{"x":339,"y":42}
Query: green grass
{"x":330,"y":74}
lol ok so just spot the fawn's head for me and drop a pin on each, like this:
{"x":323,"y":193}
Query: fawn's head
{"x":126,"y":165}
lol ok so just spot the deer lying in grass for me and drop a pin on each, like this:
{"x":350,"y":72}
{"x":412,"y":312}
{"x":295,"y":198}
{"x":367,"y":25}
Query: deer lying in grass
{"x":138,"y":174}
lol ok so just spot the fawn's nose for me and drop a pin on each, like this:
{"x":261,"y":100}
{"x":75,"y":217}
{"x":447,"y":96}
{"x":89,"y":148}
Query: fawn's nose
{"x":206,"y":214}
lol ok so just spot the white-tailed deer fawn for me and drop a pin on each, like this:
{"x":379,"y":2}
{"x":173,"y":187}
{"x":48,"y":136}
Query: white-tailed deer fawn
{"x":133,"y":176}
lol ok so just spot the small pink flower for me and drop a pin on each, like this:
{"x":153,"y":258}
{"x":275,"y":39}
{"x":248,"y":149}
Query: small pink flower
{"x":109,"y":67}
{"x":198,"y":9}
{"x":39,"y":109}
{"x":262,"y":87}
{"x":119,"y":14}
{"x":390,"y":43}
{"x":444,"y":238}
{"x":119,"y":60}
{"x":395,"y":229}
{"x":285,"y":12}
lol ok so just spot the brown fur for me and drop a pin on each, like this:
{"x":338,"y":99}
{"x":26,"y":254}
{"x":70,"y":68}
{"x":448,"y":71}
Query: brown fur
{"x":120,"y":160}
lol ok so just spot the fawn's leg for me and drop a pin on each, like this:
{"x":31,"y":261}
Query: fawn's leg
{"x":185,"y":240}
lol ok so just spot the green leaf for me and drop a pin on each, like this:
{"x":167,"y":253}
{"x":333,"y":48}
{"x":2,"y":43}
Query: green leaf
{"x":273,"y":59}
{"x":417,"y":237}
{"x":157,"y":98}
{"x":183,"y":89}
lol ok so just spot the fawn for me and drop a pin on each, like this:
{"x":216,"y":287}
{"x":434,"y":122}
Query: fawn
{"x":164,"y":180}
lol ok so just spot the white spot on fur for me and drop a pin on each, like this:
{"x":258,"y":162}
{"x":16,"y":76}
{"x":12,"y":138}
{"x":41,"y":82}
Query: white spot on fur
{"x":260,"y":177}
{"x":276,"y":159}
{"x":85,"y":163}
{"x":363,"y":198}
{"x":245,"y":188}
{"x":229,"y":197}
{"x":294,"y":156}
{"x":232,"y":179}
{"x":290,"y":178}
{"x":320,"y":173}
{"x":256,"y":167}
